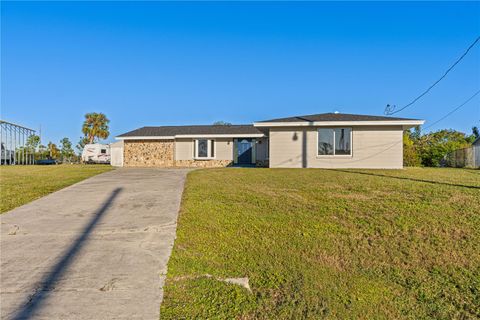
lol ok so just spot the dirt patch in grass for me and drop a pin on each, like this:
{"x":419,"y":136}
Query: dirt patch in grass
{"x":327,"y":244}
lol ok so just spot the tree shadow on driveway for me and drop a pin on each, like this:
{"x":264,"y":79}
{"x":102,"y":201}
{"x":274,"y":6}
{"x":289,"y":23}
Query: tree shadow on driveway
{"x":35,"y":302}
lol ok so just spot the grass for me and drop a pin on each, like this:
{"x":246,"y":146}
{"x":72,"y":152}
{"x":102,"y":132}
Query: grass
{"x":22,"y":184}
{"x":335,"y":244}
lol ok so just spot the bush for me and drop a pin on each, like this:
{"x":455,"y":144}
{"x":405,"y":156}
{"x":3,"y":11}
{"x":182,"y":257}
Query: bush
{"x":410,"y":153}
{"x":430,"y":149}
{"x":434,"y":146}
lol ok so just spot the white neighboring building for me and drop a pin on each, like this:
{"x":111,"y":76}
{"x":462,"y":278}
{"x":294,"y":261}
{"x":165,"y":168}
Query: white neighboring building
{"x":116,"y":154}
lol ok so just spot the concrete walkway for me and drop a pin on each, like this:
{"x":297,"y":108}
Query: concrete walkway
{"x":95,"y":250}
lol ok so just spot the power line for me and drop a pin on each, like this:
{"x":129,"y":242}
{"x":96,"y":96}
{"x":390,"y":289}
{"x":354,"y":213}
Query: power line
{"x":389,"y":110}
{"x":448,"y":114}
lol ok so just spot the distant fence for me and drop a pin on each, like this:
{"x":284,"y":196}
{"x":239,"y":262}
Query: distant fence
{"x":13,"y":144}
{"x":464,"y":158}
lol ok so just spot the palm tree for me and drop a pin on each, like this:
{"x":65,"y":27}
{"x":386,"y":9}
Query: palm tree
{"x":95,"y":126}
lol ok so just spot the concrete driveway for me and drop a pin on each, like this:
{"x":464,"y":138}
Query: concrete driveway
{"x":95,"y":250}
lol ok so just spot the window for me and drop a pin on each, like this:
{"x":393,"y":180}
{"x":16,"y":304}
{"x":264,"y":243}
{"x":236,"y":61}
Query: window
{"x":334,"y":141}
{"x":103,"y":151}
{"x":325,"y":142}
{"x":204,"y":149}
{"x":342,"y":141}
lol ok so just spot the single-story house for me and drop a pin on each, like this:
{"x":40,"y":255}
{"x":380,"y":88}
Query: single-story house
{"x":328,"y":140}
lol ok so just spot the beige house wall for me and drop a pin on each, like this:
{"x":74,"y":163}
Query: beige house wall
{"x":224,"y":149}
{"x":372,"y":147}
{"x":262,"y":149}
{"x":184,"y":149}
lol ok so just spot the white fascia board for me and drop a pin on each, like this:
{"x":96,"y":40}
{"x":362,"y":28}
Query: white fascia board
{"x":251,"y":135}
{"x":146,"y":138}
{"x":411,"y":123}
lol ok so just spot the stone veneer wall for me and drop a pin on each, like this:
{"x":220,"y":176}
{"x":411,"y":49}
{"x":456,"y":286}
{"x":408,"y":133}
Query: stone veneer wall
{"x":149,"y":153}
{"x":203,"y":163}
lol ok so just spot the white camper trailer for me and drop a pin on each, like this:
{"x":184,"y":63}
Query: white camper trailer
{"x":96,"y":153}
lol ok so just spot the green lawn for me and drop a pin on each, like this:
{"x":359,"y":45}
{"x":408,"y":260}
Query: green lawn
{"x":338,"y":244}
{"x":22,"y":184}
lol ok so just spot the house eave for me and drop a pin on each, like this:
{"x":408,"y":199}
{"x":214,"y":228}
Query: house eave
{"x":249,"y":135}
{"x":146,"y":138}
{"x":185,"y":136}
{"x":404,"y":123}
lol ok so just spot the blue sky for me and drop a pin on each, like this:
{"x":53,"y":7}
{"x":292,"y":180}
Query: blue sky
{"x":157,"y":63}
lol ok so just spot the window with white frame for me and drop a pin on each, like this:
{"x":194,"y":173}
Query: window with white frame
{"x":334,"y":142}
{"x":204,"y":149}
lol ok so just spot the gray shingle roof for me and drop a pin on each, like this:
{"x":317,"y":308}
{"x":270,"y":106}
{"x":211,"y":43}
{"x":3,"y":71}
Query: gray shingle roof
{"x":167,"y":131}
{"x":335,"y":117}
{"x":170,"y":131}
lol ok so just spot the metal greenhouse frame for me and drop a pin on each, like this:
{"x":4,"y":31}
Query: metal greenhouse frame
{"x":13,"y":140}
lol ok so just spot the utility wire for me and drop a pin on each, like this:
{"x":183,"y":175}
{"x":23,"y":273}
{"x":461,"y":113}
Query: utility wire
{"x":389,"y":110}
{"x":448,"y":114}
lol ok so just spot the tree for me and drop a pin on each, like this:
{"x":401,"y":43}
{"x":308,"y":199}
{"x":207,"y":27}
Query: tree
{"x":475,"y":132}
{"x":81,"y":144}
{"x":410,"y":153}
{"x":66,"y":149}
{"x":53,"y":150}
{"x":222,"y":123}
{"x":42,"y":152}
{"x":33,"y":142}
{"x":95,"y":126}
{"x":433,"y":147}
{"x":417,"y":133}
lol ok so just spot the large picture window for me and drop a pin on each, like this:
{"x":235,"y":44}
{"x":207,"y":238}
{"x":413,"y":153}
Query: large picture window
{"x":204,"y":149}
{"x":334,"y":141}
